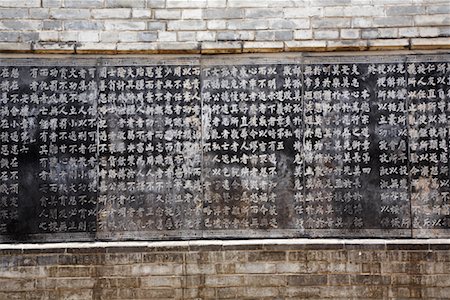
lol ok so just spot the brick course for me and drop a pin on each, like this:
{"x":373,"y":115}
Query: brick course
{"x":115,"y":26}
{"x":238,"y":269}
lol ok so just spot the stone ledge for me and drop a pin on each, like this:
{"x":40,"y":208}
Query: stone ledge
{"x":227,"y":47}
{"x":257,"y":244}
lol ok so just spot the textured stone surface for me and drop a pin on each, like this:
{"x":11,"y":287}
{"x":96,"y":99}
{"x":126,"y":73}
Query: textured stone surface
{"x":314,"y":22}
{"x":295,"y":269}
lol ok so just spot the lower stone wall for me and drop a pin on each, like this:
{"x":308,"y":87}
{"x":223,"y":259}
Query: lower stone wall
{"x":289,"y":269}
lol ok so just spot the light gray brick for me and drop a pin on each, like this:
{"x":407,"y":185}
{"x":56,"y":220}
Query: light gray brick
{"x":156,"y":3}
{"x":189,"y":14}
{"x":248,"y":3}
{"x":303,"y":12}
{"x":111,"y":13}
{"x":125,"y":3}
{"x":68,"y":36}
{"x":306,"y":34}
{"x":9,"y":36}
{"x":20,"y":3}
{"x":125,"y":25}
{"x":217,"y":13}
{"x":289,"y":24}
{"x":14,"y":47}
{"x":235,"y":35}
{"x":393,"y":21}
{"x":216,"y":24}
{"x":126,"y":37}
{"x":438,"y":9}
{"x":274,"y":35}
{"x":52,"y":25}
{"x":216,"y":3}
{"x":408,"y":32}
{"x":69,"y":13}
{"x":166,"y":36}
{"x":258,"y":13}
{"x":362,"y":22}
{"x":21,"y":25}
{"x":83,"y":3}
{"x":186,"y":25}
{"x":168,"y":14}
{"x":433,"y":20}
{"x":404,"y":10}
{"x":88,"y":36}
{"x":388,"y":33}
{"x":148,"y":36}
{"x":28,"y":36}
{"x":13,"y":13}
{"x":370,"y":33}
{"x":350,"y":33}
{"x":39,"y":13}
{"x":132,"y":47}
{"x":429,"y":32}
{"x":48,"y":36}
{"x":331,"y":22}
{"x":83,"y":25}
{"x":208,"y":36}
{"x":51,"y":3}
{"x":363,"y":11}
{"x":140,"y":13}
{"x":186,"y":36}
{"x":247,"y":24}
{"x":326,"y":34}
{"x":160,"y":26}
{"x":186,"y":3}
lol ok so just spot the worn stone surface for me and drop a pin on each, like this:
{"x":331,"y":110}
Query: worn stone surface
{"x":210,"y":147}
{"x":266,"y":270}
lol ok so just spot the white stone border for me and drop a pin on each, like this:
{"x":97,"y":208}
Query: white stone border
{"x":263,"y":242}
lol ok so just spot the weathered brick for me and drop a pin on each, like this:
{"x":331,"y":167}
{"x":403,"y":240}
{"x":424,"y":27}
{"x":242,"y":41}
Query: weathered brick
{"x":326,"y":34}
{"x":156,"y":3}
{"x":168,"y":14}
{"x":51,"y":3}
{"x":274,"y":35}
{"x":307,"y":280}
{"x":69,"y":13}
{"x":235,"y":35}
{"x":350,"y":33}
{"x":21,"y":25}
{"x":111,"y":13}
{"x":247,"y":24}
{"x":83,"y":25}
{"x":393,"y":21}
{"x":218,"y":13}
{"x":83,"y":3}
{"x":186,"y":25}
{"x":306,"y":34}
{"x":437,"y":20}
{"x":267,"y":256}
{"x":20,"y":3}
{"x":404,"y":10}
{"x":331,"y":22}
{"x":205,"y":36}
{"x":125,"y":25}
{"x":186,"y":3}
{"x":165,"y":36}
{"x":189,"y":14}
{"x":258,"y":13}
{"x":255,"y":268}
{"x":125,"y":3}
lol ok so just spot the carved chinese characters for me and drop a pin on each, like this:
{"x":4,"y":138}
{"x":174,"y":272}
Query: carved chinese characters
{"x":218,"y":147}
{"x":429,"y":110}
{"x":48,"y":149}
{"x":250,"y":115}
{"x":356,"y":146}
{"x":149,"y":147}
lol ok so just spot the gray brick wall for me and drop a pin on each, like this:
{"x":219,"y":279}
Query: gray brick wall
{"x":215,"y":26}
{"x":293,"y":270}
